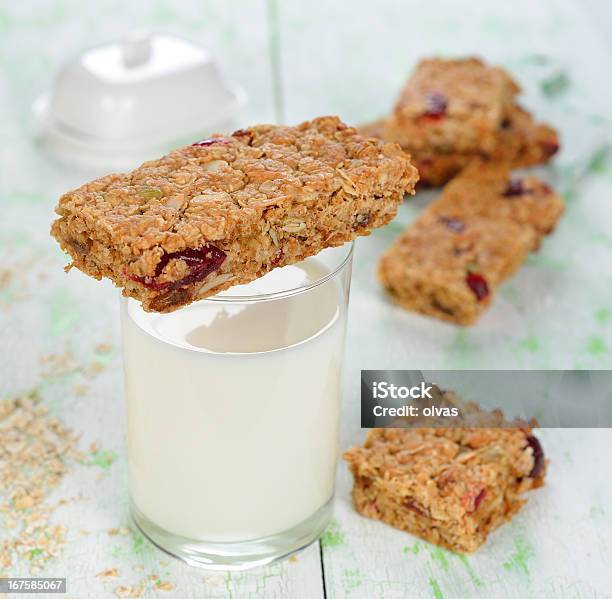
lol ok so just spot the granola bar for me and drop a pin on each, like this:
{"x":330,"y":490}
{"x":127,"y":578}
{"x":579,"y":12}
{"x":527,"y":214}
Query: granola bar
{"x":450,"y":268}
{"x":522,"y":142}
{"x":488,"y":189}
{"x":452,"y":106}
{"x":226,"y":210}
{"x":451,"y":487}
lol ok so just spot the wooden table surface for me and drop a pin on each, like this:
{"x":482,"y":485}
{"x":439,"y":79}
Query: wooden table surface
{"x":59,"y":333}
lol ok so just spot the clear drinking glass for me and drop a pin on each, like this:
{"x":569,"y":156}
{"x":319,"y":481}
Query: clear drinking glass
{"x":233,"y":408}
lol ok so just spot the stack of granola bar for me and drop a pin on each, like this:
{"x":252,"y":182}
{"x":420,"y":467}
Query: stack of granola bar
{"x":460,"y":122}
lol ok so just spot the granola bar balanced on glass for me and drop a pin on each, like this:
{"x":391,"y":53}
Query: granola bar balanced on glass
{"x":451,"y":487}
{"x":226,"y":210}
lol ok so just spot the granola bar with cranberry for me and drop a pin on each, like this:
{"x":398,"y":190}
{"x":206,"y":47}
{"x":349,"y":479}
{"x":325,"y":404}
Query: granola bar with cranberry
{"x":522,"y":142}
{"x":488,"y":189}
{"x":454,"y":106}
{"x":451,"y":487}
{"x":450,"y":268}
{"x":226,"y":210}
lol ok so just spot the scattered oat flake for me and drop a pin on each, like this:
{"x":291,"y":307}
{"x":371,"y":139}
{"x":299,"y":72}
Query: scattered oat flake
{"x":5,"y":278}
{"x":110,"y":573}
{"x":35,"y":453}
{"x":164,"y":585}
{"x":93,"y":369}
{"x":80,"y":390}
{"x":104,"y":348}
{"x":130,"y":591}
{"x":118,"y":531}
{"x":57,"y":365}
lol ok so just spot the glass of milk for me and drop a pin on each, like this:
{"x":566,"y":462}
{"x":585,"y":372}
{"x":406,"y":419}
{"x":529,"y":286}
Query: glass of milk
{"x":233,"y":415}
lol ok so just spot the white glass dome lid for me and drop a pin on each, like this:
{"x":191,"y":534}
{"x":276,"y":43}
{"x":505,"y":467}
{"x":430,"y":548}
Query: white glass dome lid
{"x":145,"y":90}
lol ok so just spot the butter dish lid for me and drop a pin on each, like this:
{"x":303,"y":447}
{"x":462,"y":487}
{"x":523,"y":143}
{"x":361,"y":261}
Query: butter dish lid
{"x":117,"y":101}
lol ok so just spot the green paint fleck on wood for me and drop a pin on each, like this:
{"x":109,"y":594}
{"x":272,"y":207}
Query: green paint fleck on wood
{"x":105,"y":354}
{"x":600,"y":163}
{"x":102,"y":459}
{"x":415,"y":549}
{"x":435,"y":587}
{"x":332,"y":536}
{"x":602,"y":315}
{"x":6,"y":20}
{"x":439,"y":556}
{"x":352,"y":579}
{"x":519,"y":559}
{"x":596,"y":346}
{"x":466,"y":564}
{"x":140,"y":545}
{"x":530,"y":344}
{"x":461,"y":350}
{"x":63,"y":313}
{"x":555,"y":85}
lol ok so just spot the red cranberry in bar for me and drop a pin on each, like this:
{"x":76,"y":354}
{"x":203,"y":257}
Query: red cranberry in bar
{"x":478,"y":284}
{"x":454,"y":224}
{"x":549,"y":148}
{"x":472,"y":500}
{"x":201,"y":262}
{"x":435,"y":105}
{"x":413,"y":508}
{"x":277,"y":258}
{"x":209,"y":142}
{"x":538,"y":456}
{"x":515,"y":188}
{"x":479,"y":498}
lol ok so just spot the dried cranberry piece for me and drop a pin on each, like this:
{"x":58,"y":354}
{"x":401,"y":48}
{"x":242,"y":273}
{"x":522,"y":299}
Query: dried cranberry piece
{"x":201,"y":262}
{"x":209,"y":142}
{"x":435,"y":105}
{"x":277,"y":258}
{"x":478,"y":284}
{"x":454,"y":224}
{"x":549,"y":148}
{"x":538,"y":456}
{"x":473,"y":499}
{"x":479,"y":498}
{"x":515,"y":187}
{"x":408,"y":504}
